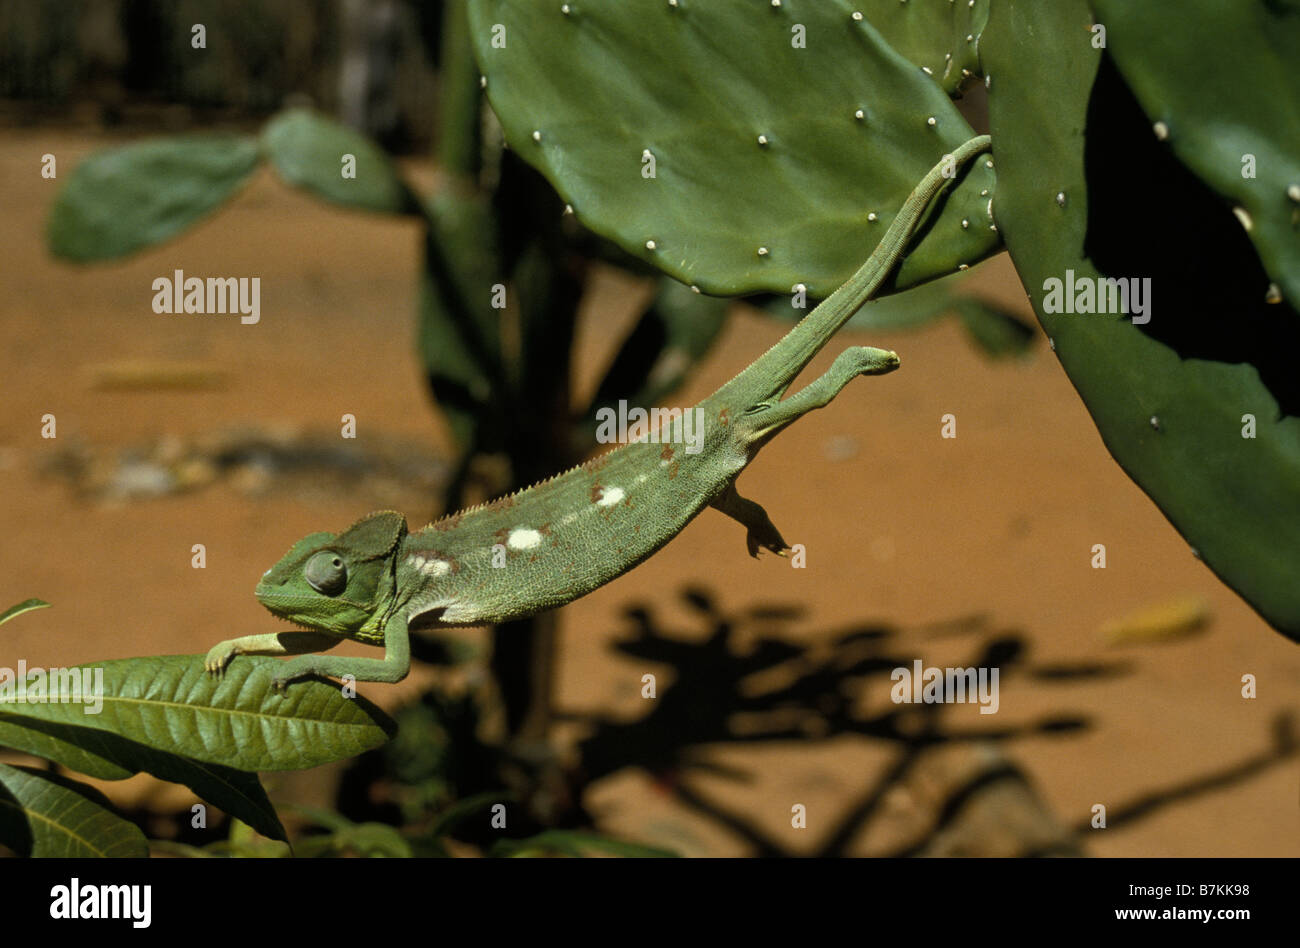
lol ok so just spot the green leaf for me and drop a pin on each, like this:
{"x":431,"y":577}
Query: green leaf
{"x":585,"y":97}
{"x":461,"y":810}
{"x":941,"y":35}
{"x":1086,"y":191}
{"x":171,"y":704}
{"x":996,"y":331}
{"x":108,"y":756}
{"x":908,"y":310}
{"x":1251,"y":108}
{"x":367,"y":840}
{"x":80,"y":749}
{"x":459,"y":335}
{"x":26,"y":606}
{"x":123,"y":199}
{"x":674,"y":333}
{"x":576,"y":843}
{"x":308,"y":149}
{"x":46,"y":816}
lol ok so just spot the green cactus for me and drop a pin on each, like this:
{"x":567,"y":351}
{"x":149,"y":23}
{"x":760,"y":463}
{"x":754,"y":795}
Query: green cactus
{"x":1238,"y":129}
{"x":738,"y":147}
{"x":1169,"y":396}
{"x":941,"y":36}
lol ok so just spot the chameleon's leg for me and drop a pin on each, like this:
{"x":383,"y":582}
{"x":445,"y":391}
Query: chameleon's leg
{"x":766,"y":419}
{"x":391,"y":668}
{"x":759,"y":527}
{"x":271,"y":643}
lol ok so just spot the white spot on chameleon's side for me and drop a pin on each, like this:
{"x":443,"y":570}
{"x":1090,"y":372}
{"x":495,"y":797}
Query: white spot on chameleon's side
{"x":641,"y":477}
{"x":610,"y":496}
{"x":435,"y":568}
{"x":523,"y":538}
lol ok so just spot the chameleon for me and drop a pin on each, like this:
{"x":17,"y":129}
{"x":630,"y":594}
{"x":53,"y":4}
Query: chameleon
{"x":563,"y":537}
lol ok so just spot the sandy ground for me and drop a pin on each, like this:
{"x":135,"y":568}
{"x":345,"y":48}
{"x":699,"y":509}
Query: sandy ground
{"x":902,"y":528}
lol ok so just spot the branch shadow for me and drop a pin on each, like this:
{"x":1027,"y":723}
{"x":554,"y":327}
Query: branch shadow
{"x":719,"y":693}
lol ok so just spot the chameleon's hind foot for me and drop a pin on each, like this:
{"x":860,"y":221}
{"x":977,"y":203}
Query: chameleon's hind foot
{"x":760,"y":532}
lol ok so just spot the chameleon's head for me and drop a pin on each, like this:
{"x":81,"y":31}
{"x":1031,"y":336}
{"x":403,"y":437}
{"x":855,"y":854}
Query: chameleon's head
{"x":344,"y":583}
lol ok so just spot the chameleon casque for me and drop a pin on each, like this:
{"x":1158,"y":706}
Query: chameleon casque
{"x":567,"y":535}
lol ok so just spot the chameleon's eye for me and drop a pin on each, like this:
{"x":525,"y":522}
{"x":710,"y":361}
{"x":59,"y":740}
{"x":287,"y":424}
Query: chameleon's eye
{"x":326,"y":573}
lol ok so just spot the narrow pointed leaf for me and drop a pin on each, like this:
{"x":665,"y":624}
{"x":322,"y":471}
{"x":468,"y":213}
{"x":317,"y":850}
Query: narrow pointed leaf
{"x":108,"y":756}
{"x":170,"y":703}
{"x":20,"y":608}
{"x":45,"y":816}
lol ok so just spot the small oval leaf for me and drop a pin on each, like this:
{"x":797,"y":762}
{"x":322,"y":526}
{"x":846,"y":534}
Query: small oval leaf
{"x":312,"y":152}
{"x":122,"y":199}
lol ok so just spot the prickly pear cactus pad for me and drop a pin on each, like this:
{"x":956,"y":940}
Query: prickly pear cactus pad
{"x":1219,"y":79}
{"x":941,"y":36}
{"x":741,"y":146}
{"x":1197,"y":399}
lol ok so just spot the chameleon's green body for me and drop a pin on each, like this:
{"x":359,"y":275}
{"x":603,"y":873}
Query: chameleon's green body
{"x":560,"y":539}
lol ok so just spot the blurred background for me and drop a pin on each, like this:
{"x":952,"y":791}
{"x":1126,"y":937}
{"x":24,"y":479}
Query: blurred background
{"x":1119,"y":687}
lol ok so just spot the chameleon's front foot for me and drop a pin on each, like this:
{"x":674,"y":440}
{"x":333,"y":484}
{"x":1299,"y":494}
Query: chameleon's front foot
{"x":219,"y":656}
